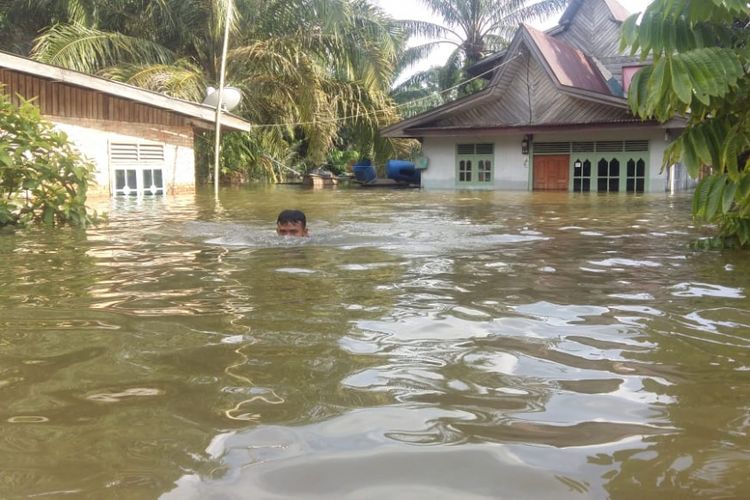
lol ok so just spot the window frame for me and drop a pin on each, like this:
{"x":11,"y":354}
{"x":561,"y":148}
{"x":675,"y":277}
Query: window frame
{"x":138,"y":161}
{"x":474,"y":164}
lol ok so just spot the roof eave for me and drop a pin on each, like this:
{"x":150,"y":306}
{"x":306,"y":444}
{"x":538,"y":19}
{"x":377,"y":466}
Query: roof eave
{"x":530,"y":129}
{"x":398,"y":128}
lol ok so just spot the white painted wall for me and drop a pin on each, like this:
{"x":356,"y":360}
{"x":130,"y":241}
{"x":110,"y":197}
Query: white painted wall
{"x":512,"y":169}
{"x":92,"y":139}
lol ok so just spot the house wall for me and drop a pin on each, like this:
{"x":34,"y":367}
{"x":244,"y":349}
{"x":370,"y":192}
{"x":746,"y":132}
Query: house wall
{"x":56,"y":98}
{"x":512,"y":170}
{"x":92,"y":138}
{"x":93,"y":119}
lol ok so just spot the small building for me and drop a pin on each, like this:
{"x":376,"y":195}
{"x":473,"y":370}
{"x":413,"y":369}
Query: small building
{"x":553,"y":117}
{"x":141,"y":142}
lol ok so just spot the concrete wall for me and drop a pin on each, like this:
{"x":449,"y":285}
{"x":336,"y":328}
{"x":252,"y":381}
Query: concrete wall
{"x":92,"y":138}
{"x":512,"y":169}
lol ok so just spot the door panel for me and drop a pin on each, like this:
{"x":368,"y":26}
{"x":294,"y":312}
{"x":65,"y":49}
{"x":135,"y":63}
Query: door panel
{"x":551,"y":173}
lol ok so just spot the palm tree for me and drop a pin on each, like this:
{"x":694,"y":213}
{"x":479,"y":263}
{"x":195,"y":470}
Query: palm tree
{"x":475,"y":28}
{"x":307,"y":68}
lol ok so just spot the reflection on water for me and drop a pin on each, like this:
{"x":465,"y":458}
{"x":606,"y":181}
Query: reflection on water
{"x":417,"y":345}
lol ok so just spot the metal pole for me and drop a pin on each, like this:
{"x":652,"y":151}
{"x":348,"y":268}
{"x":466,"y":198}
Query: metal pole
{"x":217,"y":143}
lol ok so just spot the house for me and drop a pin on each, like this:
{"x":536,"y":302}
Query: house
{"x":553,"y":116}
{"x":141,"y":142}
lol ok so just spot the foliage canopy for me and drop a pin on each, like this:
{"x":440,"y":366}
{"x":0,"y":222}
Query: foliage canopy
{"x":701,"y":57}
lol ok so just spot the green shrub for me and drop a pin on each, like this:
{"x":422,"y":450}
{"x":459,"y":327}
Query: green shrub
{"x":43,"y":179}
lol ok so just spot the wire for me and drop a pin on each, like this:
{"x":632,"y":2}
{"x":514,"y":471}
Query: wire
{"x":389,"y":108}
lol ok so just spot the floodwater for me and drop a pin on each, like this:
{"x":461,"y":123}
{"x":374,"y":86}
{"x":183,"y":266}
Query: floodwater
{"x":418,"y":345}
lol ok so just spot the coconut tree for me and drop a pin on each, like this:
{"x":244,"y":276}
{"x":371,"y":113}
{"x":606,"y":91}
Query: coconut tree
{"x":474,"y":28}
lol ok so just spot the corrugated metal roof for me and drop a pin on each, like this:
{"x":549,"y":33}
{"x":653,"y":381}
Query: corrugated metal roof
{"x":569,"y":65}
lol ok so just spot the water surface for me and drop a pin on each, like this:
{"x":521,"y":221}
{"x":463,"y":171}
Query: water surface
{"x":418,"y":345}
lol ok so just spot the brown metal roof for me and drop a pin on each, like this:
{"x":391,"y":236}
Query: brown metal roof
{"x":570,"y":66}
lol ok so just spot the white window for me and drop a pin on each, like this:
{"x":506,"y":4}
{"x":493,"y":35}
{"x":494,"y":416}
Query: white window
{"x":138,"y":168}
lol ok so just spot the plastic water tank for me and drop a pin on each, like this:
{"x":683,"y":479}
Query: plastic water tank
{"x":364,"y":173}
{"x":402,"y":171}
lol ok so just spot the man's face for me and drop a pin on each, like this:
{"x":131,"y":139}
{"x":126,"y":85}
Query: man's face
{"x":290,"y":229}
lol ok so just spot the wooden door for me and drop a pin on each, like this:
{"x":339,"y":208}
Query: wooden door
{"x":551,"y":173}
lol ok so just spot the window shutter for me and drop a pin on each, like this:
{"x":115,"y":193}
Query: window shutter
{"x":465,"y":149}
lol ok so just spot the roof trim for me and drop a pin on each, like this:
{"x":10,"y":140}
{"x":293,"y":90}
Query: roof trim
{"x":204,"y":116}
{"x":399,"y":127}
{"x":530,"y":129}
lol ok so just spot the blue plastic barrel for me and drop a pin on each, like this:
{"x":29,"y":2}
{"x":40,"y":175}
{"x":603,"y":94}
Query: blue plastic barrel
{"x":402,"y":171}
{"x":364,"y":173}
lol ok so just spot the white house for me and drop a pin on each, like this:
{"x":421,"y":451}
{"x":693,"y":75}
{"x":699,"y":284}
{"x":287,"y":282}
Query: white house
{"x":553,"y":116}
{"x":142,"y":142}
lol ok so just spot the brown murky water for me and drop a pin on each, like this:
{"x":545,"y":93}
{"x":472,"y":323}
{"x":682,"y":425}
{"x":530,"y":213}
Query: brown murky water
{"x":419,"y":345}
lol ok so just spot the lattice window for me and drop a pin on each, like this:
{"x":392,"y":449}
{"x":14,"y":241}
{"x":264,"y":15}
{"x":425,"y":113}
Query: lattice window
{"x":582,"y":175}
{"x":610,"y":146}
{"x":636,"y":145}
{"x":583,"y":147}
{"x":549,"y":148}
{"x":635,"y":180}
{"x":608,"y":175}
{"x":474,"y":163}
{"x":124,"y":152}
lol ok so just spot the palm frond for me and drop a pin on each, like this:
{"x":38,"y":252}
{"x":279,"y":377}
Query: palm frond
{"x":89,"y":50}
{"x":182,"y":79}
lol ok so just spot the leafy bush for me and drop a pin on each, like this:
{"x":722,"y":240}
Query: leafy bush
{"x":701,"y":71}
{"x":43,"y":179}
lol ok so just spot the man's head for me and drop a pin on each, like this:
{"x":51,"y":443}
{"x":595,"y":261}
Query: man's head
{"x":291,"y":223}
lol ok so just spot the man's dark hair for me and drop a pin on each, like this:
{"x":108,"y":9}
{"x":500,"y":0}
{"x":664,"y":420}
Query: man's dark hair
{"x":292,"y":217}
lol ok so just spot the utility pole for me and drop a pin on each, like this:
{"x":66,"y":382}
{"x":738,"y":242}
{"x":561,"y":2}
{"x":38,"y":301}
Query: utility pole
{"x":217,"y":144}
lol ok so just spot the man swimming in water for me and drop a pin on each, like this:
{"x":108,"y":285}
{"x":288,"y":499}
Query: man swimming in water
{"x":291,"y":223}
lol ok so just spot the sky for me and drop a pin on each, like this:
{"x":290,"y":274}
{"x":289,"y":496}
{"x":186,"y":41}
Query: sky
{"x":414,"y":9}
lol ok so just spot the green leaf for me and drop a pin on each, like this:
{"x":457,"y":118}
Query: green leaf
{"x":700,"y":144}
{"x":5,"y":158}
{"x":689,"y":156}
{"x":700,"y":197}
{"x":629,"y":33}
{"x":681,"y":81}
{"x":728,"y":197}
{"x":715,"y":195}
{"x":658,"y":85}
{"x":729,"y":154}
